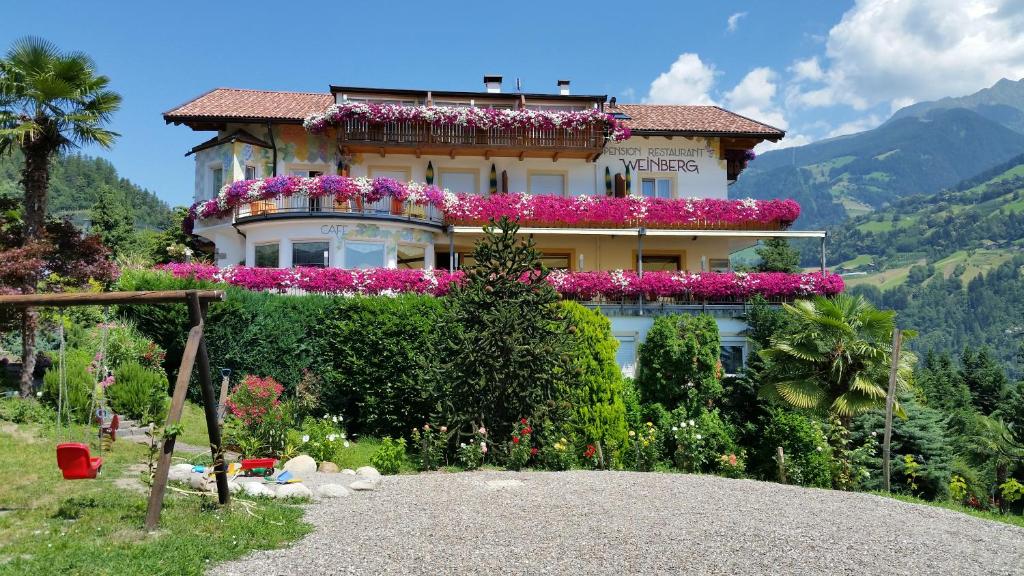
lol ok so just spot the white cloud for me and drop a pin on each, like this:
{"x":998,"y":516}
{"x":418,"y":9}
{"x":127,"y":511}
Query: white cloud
{"x":891,"y":51}
{"x":808,"y":69}
{"x":790,"y":141}
{"x":688,"y":81}
{"x":898,"y":103}
{"x":628,"y":95}
{"x":854,"y":126}
{"x":754,"y":97}
{"x":734,"y":21}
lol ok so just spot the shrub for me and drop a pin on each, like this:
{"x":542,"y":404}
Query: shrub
{"x":80,"y":385}
{"x":594,"y":383}
{"x":138,"y":392}
{"x":678,"y":364}
{"x":320,"y":437}
{"x":389,"y":456}
{"x":520,"y":450}
{"x":432,"y":442}
{"x":25,"y":411}
{"x":471,"y":455}
{"x":557,"y":455}
{"x":702,"y":442}
{"x":124,"y":344}
{"x":258,"y":419}
{"x":646,"y":447}
{"x":379,"y":359}
{"x":807,"y":455}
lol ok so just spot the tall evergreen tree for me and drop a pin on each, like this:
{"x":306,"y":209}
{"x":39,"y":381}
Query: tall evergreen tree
{"x":777,"y":256}
{"x":940,"y":382}
{"x":111,"y":220}
{"x":985,"y":379}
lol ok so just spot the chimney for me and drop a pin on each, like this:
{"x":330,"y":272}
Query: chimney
{"x":493,"y":84}
{"x":563,"y":87}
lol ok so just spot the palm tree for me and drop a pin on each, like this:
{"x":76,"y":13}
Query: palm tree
{"x":50,"y":101}
{"x":835,"y":358}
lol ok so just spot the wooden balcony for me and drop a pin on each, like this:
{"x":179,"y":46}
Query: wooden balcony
{"x":424,"y":138}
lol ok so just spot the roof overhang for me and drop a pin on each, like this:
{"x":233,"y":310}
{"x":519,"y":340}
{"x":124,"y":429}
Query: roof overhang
{"x":772,"y":137}
{"x":236,"y":136}
{"x":512,"y":96}
{"x":749,"y":234}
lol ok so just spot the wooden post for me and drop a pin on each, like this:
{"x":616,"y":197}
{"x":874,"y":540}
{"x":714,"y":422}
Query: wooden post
{"x":225,"y":379}
{"x":781,"y":458}
{"x":890,"y":399}
{"x":156,"y":494}
{"x":196,"y":312}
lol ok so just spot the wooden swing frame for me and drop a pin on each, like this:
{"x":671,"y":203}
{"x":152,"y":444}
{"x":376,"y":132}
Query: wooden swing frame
{"x":195,"y":349}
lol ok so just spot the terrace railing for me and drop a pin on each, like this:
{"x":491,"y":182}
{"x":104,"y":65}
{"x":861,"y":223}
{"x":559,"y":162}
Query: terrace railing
{"x":302,"y":205}
{"x":355,"y":131}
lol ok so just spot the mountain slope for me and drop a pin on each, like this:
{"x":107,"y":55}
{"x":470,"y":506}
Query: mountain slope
{"x":855,"y":174}
{"x":77,"y":181}
{"x":1003,"y":102}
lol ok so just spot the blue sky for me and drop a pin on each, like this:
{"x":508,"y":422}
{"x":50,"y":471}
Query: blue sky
{"x":816,"y":68}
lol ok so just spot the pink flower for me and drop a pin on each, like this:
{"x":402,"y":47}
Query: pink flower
{"x":483,"y":447}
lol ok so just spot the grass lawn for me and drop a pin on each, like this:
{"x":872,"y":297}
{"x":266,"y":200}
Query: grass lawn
{"x":91,"y":527}
{"x":993,"y":516}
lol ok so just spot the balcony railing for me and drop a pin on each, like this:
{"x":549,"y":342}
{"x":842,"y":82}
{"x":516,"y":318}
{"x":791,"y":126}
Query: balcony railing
{"x":423,"y":134}
{"x":301,"y":205}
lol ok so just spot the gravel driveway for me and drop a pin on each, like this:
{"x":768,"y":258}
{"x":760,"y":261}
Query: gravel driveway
{"x":631,"y":523}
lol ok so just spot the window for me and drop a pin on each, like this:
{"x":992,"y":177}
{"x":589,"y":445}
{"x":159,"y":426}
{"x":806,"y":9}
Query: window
{"x":313,"y":254}
{"x":442,"y":260}
{"x":557,"y":261}
{"x":460,"y":180}
{"x":549,"y":184}
{"x":732,"y":358}
{"x":411,"y":256}
{"x":216,"y":181}
{"x":625,"y":356}
{"x":364,"y":255}
{"x":656,"y":187}
{"x":719,"y":264}
{"x":662,"y":262}
{"x":267,"y":255}
{"x":250,"y":172}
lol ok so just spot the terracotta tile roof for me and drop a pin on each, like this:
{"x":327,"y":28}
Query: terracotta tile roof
{"x":691,"y":119}
{"x":236,"y":103}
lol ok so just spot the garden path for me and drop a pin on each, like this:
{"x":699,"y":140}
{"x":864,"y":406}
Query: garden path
{"x":631,"y":523}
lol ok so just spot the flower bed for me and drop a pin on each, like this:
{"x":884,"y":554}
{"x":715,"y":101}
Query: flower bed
{"x":600,"y":285}
{"x":473,"y":209}
{"x":473,"y":117}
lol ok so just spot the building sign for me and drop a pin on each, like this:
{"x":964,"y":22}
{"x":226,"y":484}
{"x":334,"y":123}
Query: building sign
{"x":660,"y":159}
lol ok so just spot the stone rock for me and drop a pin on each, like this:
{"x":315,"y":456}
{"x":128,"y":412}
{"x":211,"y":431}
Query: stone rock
{"x":234,"y":487}
{"x":202,"y":483}
{"x":329,"y":467}
{"x":332,"y":491}
{"x":293,"y":491}
{"x":367,"y":472}
{"x":301,"y":465}
{"x":179,"y":473}
{"x":365,"y":484}
{"x":349,"y":471}
{"x":255,"y":489}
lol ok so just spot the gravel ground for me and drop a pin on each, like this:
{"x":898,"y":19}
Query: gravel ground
{"x":630,"y":523}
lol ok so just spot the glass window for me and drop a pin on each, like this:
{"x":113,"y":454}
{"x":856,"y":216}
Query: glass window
{"x":442,"y":260}
{"x":459,"y":181}
{"x":719,"y":264}
{"x":411,"y":256}
{"x":732,"y":358}
{"x":250,"y":172}
{"x":313,"y":254}
{"x":267,"y":255}
{"x":216,"y":181}
{"x":364,"y":255}
{"x":662,"y":263}
{"x":656,"y":187}
{"x":551,"y":184}
{"x":556,"y":261}
{"x":625,"y":356}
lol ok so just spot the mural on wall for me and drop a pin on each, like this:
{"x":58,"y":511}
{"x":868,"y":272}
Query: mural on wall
{"x":204,"y":159}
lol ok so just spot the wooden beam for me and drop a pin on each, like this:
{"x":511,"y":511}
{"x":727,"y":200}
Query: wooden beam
{"x":196,"y":313}
{"x":107,"y":298}
{"x":890,"y":399}
{"x":521,"y":154}
{"x":451,"y":153}
{"x":163,"y":466}
{"x":487,"y":154}
{"x":417,"y":152}
{"x":381,"y":151}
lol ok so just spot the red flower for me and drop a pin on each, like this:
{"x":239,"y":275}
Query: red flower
{"x":515,"y":439}
{"x":533,"y":451}
{"x":522,"y":421}
{"x":527,"y":431}
{"x":590,"y":451}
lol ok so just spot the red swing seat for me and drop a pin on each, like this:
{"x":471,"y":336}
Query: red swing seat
{"x":76,"y":463}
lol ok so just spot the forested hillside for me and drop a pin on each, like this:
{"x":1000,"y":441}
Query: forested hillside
{"x":77,"y":182}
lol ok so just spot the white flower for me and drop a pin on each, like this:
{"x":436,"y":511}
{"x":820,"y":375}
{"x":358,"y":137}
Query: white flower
{"x":698,"y":436}
{"x":691,"y":422}
{"x":334,"y":419}
{"x":332,"y":437}
{"x":462,"y":444}
{"x":675,"y":429}
{"x":305,"y":437}
{"x":682,"y":424}
{"x":819,"y":448}
{"x":346,"y":443}
{"x":874,"y":434}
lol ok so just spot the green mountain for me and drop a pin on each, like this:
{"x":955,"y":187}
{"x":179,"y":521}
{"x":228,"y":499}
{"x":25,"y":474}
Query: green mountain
{"x":852,"y":175}
{"x":77,"y":181}
{"x":1003,"y":102}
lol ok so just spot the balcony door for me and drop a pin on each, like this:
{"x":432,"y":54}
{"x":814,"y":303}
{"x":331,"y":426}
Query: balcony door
{"x":393,"y":172}
{"x":309,"y":204}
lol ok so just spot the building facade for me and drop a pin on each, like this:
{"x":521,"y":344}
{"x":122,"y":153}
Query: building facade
{"x":368,"y":178}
